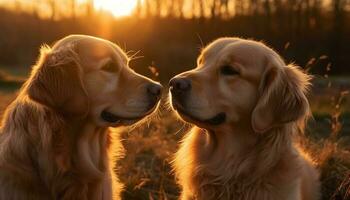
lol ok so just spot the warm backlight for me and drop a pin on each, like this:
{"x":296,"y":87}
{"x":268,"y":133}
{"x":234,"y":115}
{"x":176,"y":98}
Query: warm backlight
{"x":118,"y":8}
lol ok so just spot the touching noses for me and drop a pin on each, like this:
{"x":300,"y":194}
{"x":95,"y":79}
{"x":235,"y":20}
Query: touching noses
{"x":178,"y":87}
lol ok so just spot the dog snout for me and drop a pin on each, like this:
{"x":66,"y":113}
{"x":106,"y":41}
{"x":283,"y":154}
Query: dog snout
{"x":179,"y":85}
{"x":154,"y":90}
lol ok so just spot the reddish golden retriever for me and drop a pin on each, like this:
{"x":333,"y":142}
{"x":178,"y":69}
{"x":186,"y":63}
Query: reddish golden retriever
{"x":54,"y":138}
{"x":246,"y":104}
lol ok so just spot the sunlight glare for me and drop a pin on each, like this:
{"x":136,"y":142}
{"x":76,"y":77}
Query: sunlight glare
{"x":118,"y":8}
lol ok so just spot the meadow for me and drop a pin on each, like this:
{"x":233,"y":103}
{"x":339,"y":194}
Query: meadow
{"x":164,"y":37}
{"x":146,"y":167}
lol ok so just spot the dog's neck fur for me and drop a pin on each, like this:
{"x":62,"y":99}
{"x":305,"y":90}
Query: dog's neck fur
{"x":236,"y":156}
{"x":233,"y":142}
{"x":69,"y":148}
{"x":242,"y":146}
{"x":217,"y":165}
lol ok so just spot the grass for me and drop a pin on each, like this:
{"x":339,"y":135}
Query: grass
{"x":146,"y":172}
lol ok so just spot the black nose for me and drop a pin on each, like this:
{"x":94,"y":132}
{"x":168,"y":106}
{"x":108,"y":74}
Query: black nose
{"x":180,"y":85}
{"x":154,"y":89}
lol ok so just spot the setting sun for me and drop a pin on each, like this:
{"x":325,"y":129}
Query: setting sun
{"x":118,"y":8}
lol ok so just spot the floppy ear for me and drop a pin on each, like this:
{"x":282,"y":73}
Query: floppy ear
{"x":56,"y":82}
{"x":282,"y":97}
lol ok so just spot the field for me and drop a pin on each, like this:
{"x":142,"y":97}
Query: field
{"x":145,"y":170}
{"x":164,"y":37}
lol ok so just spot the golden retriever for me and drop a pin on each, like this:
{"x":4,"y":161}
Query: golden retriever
{"x":246,"y":104}
{"x":54,"y":138}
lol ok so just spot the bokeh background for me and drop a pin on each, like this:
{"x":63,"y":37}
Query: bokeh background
{"x":165,"y":36}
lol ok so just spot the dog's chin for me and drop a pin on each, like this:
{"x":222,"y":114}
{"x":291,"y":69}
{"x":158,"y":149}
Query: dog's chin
{"x":216,"y":120}
{"x":112,"y":120}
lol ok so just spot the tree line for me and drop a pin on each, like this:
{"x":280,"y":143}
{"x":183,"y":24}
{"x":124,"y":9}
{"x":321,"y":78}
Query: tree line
{"x":195,"y":8}
{"x":168,"y":30}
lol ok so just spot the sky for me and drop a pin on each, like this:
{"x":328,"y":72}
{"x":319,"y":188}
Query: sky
{"x":117,"y":8}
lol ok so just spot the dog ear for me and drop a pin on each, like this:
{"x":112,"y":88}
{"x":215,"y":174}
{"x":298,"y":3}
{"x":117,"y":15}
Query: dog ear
{"x":56,"y":82}
{"x":282,"y":97}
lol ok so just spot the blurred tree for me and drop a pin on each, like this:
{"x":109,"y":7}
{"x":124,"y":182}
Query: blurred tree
{"x":73,"y":4}
{"x":17,"y":5}
{"x":214,"y":8}
{"x":89,"y":8}
{"x":34,"y":7}
{"x":239,"y":7}
{"x":138,"y":9}
{"x":158,"y":7}
{"x":201,"y":8}
{"x":147,"y":5}
{"x":267,"y":7}
{"x":254,"y":7}
{"x":224,"y":8}
{"x":198,"y":8}
{"x":179,"y":8}
{"x":52,"y":5}
{"x":175,"y":8}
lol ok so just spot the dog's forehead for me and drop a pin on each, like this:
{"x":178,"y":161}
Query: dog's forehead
{"x":250,"y":56}
{"x":99,"y":49}
{"x":228,"y":50}
{"x":92,"y":51}
{"x":244,"y":51}
{"x":215,"y":47}
{"x":233,"y":49}
{"x":91,"y":48}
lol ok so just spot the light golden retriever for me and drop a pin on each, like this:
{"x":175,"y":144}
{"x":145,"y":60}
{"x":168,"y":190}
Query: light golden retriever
{"x":246,"y":104}
{"x":54,"y":138}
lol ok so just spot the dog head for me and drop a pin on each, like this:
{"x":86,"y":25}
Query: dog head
{"x":83,"y":76}
{"x":240,"y":82}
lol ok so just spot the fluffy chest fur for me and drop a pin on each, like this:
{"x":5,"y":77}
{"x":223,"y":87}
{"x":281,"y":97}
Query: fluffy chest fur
{"x":42,"y":157}
{"x":270,"y":170}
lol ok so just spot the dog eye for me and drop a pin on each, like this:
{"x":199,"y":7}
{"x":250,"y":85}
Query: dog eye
{"x":228,"y":70}
{"x":110,"y":67}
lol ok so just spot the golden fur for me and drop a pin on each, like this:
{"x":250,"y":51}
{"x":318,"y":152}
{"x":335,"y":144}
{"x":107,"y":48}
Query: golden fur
{"x":246,"y":152}
{"x":53,"y":142}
